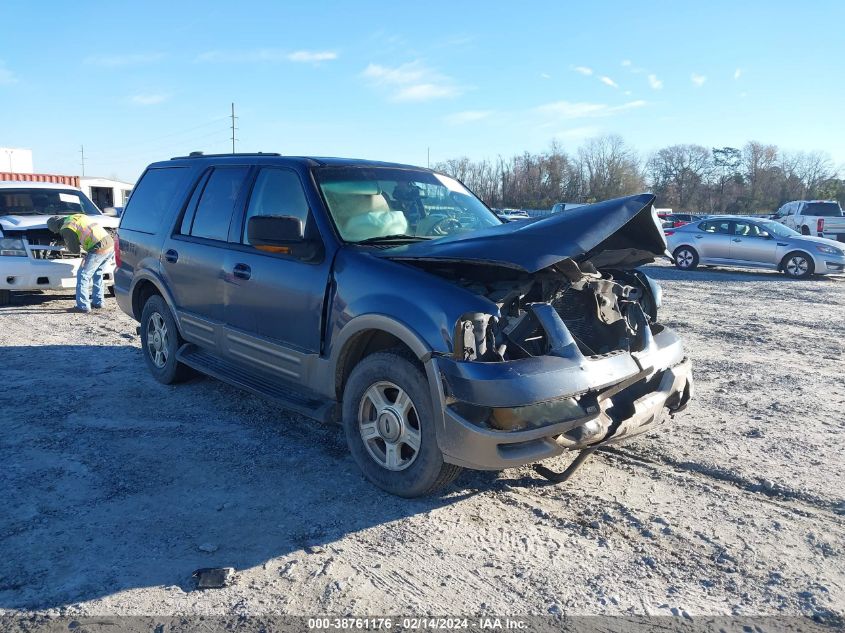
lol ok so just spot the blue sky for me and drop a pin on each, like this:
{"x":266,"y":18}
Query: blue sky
{"x":388,"y":80}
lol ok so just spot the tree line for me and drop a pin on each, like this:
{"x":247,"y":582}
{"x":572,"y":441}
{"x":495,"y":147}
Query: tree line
{"x":692,"y":178}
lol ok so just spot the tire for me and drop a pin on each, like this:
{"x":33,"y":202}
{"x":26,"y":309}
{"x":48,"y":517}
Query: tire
{"x":401,"y":455}
{"x":5,"y":297}
{"x":797,"y":265}
{"x":805,"y":230}
{"x":160,"y":354}
{"x":686,"y":258}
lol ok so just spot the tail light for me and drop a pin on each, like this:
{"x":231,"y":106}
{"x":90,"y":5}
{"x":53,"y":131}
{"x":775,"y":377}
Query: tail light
{"x":116,"y":251}
{"x":820,"y":225}
{"x":669,"y":232}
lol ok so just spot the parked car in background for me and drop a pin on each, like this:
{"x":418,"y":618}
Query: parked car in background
{"x":440,"y":337}
{"x":511,"y":215}
{"x":754,"y":243}
{"x":822,"y":218}
{"x":31,"y":256}
{"x":559,"y":207}
{"x":674,"y":220}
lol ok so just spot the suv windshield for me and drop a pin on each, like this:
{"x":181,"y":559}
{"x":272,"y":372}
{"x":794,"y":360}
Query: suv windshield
{"x":30,"y":201}
{"x":777,"y":229}
{"x":371,"y":204}
{"x":822,"y":209}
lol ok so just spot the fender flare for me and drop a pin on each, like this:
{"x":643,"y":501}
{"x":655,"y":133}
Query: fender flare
{"x":147,"y":275}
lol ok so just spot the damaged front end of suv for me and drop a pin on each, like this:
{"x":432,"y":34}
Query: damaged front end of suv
{"x":570,"y":355}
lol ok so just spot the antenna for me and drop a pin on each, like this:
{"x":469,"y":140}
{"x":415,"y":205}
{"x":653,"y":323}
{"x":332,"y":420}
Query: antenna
{"x":234,"y":118}
{"x":82,"y":153}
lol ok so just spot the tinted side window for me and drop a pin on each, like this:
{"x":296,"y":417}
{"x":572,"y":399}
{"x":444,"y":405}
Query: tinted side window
{"x":277,"y":192}
{"x":152,"y":197}
{"x":217,"y":204}
{"x":721,"y":226}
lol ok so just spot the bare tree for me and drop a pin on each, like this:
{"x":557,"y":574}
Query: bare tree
{"x":609,"y":168}
{"x":676,"y":173}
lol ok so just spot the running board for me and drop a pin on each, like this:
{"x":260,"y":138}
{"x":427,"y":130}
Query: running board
{"x":287,"y":396}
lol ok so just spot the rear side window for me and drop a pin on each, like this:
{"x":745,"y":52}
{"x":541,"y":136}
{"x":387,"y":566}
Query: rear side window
{"x":822,"y":209}
{"x":721,"y":226}
{"x":217,"y":203}
{"x":277,"y":192}
{"x":152,"y":198}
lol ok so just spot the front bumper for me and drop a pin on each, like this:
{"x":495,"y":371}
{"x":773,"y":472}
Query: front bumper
{"x":26,"y":273}
{"x":619,"y":395}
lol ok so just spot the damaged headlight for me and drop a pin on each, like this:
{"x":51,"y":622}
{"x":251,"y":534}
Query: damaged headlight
{"x":12,"y":247}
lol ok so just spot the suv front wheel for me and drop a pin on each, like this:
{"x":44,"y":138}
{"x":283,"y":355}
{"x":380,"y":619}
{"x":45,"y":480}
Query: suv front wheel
{"x":389,"y":425}
{"x":160,"y":341}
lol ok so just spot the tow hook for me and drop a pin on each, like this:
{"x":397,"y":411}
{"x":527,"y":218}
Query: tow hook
{"x":562,"y":476}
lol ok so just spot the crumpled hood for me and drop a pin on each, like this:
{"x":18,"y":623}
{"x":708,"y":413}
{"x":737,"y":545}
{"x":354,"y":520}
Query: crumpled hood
{"x":23,"y":222}
{"x":624,"y":232}
{"x":27,"y":222}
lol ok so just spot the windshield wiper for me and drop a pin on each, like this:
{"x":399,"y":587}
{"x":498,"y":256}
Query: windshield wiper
{"x":390,"y":238}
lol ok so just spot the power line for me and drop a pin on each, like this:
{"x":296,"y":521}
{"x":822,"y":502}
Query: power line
{"x":233,"y":128}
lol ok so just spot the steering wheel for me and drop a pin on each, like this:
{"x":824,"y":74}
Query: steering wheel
{"x":444,"y":226}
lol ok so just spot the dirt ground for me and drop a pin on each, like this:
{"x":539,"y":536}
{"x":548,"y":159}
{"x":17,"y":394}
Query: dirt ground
{"x":116,"y":488}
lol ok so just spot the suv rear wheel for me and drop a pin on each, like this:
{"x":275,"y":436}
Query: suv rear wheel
{"x":160,"y":341}
{"x":389,"y":425}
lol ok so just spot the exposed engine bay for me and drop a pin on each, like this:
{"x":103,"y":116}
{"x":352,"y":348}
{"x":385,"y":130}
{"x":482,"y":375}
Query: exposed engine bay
{"x":44,"y":244}
{"x":603,"y":311}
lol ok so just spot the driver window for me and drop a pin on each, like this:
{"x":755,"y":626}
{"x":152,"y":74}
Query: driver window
{"x":277,"y":192}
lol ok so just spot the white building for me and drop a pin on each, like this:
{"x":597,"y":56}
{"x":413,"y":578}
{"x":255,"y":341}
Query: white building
{"x":106,"y":192}
{"x":16,"y":160}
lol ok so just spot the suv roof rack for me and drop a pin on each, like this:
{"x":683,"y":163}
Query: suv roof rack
{"x":201,"y":155}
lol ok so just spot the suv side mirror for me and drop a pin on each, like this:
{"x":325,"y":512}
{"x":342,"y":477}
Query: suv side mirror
{"x":281,"y":234}
{"x":274,"y":230}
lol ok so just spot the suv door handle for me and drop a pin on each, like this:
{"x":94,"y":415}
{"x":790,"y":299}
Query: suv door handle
{"x":242,"y":271}
{"x":698,"y":237}
{"x":736,"y":239}
{"x":171,"y":256}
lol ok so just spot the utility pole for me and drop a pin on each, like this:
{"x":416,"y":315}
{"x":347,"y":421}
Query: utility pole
{"x":233,"y":128}
{"x":82,"y":153}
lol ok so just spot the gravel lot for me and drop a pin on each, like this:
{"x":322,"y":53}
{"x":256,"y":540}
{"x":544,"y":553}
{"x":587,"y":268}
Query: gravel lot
{"x":114,"y":495}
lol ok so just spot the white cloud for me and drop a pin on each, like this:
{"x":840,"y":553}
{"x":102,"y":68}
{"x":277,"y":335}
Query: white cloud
{"x":116,"y":61}
{"x":607,"y":81}
{"x":468,"y":116}
{"x":413,"y":81}
{"x":545,"y":76}
{"x":738,"y":73}
{"x":148,"y":99}
{"x":583,"y":110}
{"x":626,"y":62}
{"x":312,"y":56}
{"x":266,"y":55}
{"x":584,"y":70}
{"x":697,"y":79}
{"x":654,"y":82}
{"x":578,"y":133}
{"x":7,"y":77}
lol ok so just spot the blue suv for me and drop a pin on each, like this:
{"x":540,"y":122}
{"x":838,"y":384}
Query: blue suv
{"x":392,"y":300}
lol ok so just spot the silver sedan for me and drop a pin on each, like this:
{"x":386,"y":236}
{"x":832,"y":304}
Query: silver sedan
{"x":755,"y":243}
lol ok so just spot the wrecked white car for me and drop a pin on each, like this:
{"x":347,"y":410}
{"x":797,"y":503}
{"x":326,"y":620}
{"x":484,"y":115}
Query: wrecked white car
{"x":31,"y":256}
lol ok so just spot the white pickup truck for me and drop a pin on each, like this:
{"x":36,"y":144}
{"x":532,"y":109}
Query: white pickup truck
{"x":821,"y":218}
{"x":31,"y":257}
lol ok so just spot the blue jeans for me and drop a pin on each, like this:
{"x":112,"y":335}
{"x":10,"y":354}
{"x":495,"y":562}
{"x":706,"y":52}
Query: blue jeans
{"x":91,"y":268}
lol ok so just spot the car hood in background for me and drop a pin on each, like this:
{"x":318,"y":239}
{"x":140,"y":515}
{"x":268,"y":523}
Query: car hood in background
{"x":623,"y":232}
{"x":812,"y":239}
{"x":28,"y":222}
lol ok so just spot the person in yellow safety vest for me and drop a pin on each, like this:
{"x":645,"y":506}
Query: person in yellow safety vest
{"x":80,"y":232}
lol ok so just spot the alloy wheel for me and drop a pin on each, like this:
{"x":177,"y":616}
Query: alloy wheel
{"x":797,"y":266}
{"x":389,"y":426}
{"x":684,"y":258}
{"x":157,"y":342}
